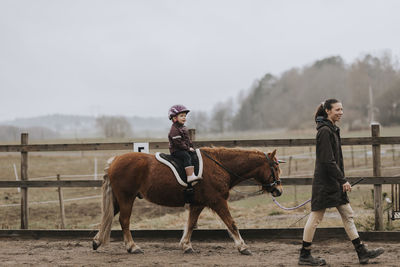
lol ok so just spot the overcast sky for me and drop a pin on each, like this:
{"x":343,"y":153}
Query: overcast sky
{"x":140,"y":57}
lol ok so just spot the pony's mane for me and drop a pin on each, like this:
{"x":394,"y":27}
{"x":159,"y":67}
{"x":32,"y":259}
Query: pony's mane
{"x":225,"y":150}
{"x":229,"y":149}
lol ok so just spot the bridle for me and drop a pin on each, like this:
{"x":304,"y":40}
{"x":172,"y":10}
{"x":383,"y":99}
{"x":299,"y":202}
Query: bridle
{"x":271,"y":164}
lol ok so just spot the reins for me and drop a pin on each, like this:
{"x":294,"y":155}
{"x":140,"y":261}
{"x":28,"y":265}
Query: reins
{"x":242,"y":178}
{"x":259,"y":192}
{"x":222,"y":166}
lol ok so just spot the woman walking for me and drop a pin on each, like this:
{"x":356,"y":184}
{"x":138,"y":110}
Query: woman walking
{"x":330,"y":186}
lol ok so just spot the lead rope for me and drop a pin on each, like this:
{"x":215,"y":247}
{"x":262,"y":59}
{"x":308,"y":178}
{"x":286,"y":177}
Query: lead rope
{"x":356,"y":182}
{"x":285,"y":208}
{"x":301,"y":218}
{"x":301,"y":205}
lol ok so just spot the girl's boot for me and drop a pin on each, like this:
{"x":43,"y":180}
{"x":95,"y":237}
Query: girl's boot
{"x":190,"y":174}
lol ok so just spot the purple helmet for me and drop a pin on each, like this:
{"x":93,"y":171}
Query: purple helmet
{"x":175,"y":110}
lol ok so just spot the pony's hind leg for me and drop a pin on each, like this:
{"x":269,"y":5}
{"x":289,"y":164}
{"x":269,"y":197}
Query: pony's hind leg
{"x":194,"y":213}
{"x":222,"y":210}
{"x":125,"y":206}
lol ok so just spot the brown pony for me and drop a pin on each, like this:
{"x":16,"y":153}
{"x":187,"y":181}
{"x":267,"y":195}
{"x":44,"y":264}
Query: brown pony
{"x":134,"y":173}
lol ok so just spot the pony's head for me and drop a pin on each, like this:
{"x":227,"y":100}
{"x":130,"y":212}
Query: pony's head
{"x":269,"y":175}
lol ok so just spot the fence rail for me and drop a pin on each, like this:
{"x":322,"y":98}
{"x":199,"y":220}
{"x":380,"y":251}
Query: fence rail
{"x":375,"y":141}
{"x":285,"y":181}
{"x":223,"y":143}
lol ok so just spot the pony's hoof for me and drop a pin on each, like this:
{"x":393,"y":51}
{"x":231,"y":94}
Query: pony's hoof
{"x":95,"y":245}
{"x":136,"y":250}
{"x":188,"y":251}
{"x":245,"y":251}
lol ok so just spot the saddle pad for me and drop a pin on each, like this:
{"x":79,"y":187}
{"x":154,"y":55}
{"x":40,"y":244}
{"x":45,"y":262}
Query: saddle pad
{"x":177,"y":168}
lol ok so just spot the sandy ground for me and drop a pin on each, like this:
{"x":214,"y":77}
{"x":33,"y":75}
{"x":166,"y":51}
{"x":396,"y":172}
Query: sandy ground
{"x":44,"y":252}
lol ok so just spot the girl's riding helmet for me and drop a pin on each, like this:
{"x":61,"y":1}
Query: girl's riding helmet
{"x":176,"y":109}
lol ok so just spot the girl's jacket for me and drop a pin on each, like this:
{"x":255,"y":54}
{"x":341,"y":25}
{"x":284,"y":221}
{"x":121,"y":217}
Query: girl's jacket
{"x":179,"y":138}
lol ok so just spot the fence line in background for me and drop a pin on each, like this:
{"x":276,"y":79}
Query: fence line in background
{"x":64,"y":176}
{"x":52,"y":201}
{"x":375,"y":141}
{"x":224,"y":143}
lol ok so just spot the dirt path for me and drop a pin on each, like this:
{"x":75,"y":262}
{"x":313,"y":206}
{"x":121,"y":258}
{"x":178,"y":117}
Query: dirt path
{"x":41,"y":252}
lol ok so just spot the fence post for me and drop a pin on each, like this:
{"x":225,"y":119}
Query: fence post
{"x":393,"y":153}
{"x":192,"y":134}
{"x":365,"y":155}
{"x":95,"y":171}
{"x":16,"y":176}
{"x":62,"y":210}
{"x":311,"y":156}
{"x":289,"y":173}
{"x":24,"y":177}
{"x":376,"y":160}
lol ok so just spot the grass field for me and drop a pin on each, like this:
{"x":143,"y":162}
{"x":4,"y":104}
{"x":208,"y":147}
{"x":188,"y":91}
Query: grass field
{"x":249,"y":212}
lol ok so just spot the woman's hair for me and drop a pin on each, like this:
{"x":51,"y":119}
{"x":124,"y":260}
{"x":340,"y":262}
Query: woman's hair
{"x":327,"y":104}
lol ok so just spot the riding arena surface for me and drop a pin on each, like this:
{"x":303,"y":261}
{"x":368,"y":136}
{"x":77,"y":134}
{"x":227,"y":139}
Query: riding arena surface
{"x":53,"y":252}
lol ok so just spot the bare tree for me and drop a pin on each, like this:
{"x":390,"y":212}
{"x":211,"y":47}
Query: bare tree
{"x":12,"y":133}
{"x":199,"y":121}
{"x":221,"y":117}
{"x":114,"y":126}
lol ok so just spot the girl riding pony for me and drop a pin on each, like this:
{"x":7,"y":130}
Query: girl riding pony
{"x":179,"y":142}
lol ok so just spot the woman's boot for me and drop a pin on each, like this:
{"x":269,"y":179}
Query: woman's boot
{"x":365,"y":254}
{"x":307,"y":259}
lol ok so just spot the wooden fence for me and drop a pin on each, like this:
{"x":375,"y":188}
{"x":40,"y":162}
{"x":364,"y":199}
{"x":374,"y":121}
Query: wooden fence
{"x":375,"y":141}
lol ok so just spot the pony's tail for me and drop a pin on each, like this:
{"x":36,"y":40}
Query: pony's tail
{"x":107,"y":210}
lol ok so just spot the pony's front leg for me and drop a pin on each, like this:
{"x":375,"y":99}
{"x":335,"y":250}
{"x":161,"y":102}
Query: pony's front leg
{"x":194,"y":213}
{"x":124,"y":218}
{"x":223,"y":212}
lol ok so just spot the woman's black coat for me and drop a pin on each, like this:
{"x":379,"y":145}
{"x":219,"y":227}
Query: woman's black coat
{"x":327,"y":190}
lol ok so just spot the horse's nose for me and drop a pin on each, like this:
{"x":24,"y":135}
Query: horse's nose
{"x":276,"y":192}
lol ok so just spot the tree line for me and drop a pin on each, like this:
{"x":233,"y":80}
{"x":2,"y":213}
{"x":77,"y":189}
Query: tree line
{"x":290,"y":100}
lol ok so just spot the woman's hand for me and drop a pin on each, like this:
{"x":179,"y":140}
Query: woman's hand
{"x":191,"y":149}
{"x":347,"y":187}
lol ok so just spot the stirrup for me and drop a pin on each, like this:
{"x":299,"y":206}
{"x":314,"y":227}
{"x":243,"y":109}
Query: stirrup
{"x":194,"y":179}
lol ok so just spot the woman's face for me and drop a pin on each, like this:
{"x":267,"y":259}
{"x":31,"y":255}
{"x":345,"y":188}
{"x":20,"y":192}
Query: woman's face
{"x":335,"y":114}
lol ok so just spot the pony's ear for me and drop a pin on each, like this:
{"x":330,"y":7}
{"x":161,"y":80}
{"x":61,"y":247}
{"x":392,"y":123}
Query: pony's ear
{"x":273,"y":153}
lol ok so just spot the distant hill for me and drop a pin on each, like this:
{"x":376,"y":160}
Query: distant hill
{"x":75,"y":126}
